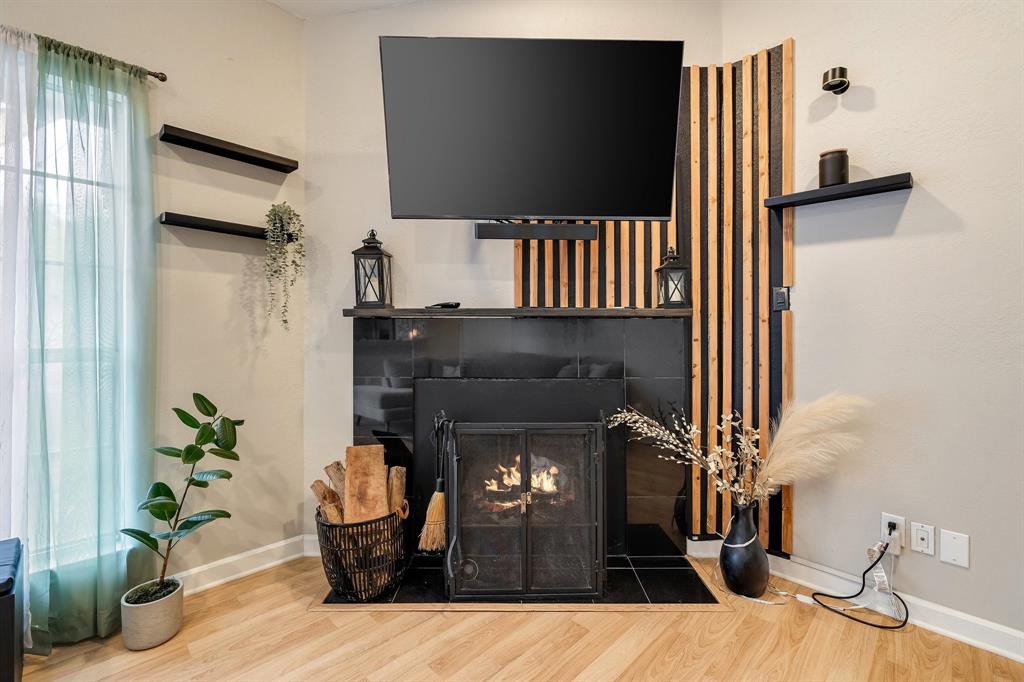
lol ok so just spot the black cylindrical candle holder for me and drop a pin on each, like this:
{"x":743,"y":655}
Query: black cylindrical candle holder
{"x":833,"y":168}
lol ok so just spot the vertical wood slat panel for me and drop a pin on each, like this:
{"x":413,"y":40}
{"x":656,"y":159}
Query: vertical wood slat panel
{"x":609,"y":266}
{"x":788,"y":217}
{"x":517,"y":254}
{"x":579,"y":274}
{"x":549,"y":272}
{"x":639,"y":262}
{"x":563,"y":273}
{"x":695,"y":289}
{"x":670,"y":229}
{"x":624,"y":262}
{"x":747,"y":247}
{"x":763,"y":368}
{"x":727,"y":264}
{"x":727,"y":281}
{"x":535,"y":277}
{"x":712,"y":285}
{"x":657,"y":229}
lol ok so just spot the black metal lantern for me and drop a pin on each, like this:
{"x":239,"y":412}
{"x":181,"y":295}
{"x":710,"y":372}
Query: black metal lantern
{"x":373,"y":274}
{"x":673,"y":282}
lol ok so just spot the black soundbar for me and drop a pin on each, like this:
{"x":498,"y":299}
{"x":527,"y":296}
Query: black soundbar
{"x":586,"y":232}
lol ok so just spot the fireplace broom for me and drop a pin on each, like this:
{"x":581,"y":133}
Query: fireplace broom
{"x":432,"y":537}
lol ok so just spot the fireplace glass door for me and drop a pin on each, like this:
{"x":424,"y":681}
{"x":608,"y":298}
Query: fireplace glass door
{"x":525,"y":515}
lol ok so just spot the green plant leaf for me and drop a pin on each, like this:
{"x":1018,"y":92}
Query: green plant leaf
{"x":197,"y":483}
{"x":238,"y":422}
{"x":162,"y":508}
{"x":170,"y":452}
{"x":211,"y":475}
{"x":205,"y":434}
{"x":142,"y":536}
{"x":225,"y":454}
{"x":160,"y":489}
{"x":204,"y":406}
{"x":208,"y":514}
{"x":202,"y":518}
{"x":226,"y":437}
{"x":192,"y":454}
{"x":171,"y":534}
{"x":186,"y":418}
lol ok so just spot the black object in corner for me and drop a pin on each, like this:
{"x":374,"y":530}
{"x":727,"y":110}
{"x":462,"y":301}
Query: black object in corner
{"x":11,"y":609}
{"x":229,"y":150}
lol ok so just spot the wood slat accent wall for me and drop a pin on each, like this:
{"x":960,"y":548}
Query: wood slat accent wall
{"x":735,"y":149}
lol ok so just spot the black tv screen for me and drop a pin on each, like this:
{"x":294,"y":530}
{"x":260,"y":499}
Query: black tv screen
{"x":500,"y":128}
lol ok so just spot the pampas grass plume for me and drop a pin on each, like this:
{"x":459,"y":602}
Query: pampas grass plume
{"x":808,"y":439}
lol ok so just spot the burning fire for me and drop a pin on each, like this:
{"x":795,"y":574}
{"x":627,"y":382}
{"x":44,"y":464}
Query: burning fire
{"x":541,"y":480}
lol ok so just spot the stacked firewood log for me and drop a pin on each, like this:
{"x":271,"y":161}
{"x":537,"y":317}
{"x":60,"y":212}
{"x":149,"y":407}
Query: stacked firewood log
{"x":362,"y":488}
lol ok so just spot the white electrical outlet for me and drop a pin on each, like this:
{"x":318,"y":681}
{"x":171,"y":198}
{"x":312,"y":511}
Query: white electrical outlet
{"x":898,"y":539}
{"x":922,"y":538}
{"x":955,"y":548}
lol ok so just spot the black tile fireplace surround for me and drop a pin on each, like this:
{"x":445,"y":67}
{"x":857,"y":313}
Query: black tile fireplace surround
{"x":565,"y":368}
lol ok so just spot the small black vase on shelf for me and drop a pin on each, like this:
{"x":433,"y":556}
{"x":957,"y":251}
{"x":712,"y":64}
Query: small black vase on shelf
{"x":744,"y":561}
{"x":833,"y":168}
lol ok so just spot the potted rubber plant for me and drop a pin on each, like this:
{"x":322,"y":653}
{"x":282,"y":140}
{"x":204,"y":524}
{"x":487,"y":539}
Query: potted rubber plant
{"x":151,"y":612}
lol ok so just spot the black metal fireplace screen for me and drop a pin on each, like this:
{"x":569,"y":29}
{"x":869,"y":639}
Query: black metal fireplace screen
{"x":525,"y":511}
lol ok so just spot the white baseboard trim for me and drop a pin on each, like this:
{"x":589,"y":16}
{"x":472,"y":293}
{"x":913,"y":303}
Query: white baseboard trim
{"x":978,"y":632}
{"x":240,"y":565}
{"x":703,"y":549}
{"x":310,"y":545}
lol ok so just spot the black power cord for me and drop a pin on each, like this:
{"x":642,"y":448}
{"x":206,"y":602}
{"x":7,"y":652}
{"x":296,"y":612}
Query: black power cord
{"x":863,"y":586}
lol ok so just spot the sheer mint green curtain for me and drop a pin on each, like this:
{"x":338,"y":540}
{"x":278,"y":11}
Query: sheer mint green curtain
{"x":91,"y":391}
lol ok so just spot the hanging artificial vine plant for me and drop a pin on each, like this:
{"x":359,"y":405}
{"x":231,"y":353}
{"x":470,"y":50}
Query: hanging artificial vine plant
{"x":286,"y":257}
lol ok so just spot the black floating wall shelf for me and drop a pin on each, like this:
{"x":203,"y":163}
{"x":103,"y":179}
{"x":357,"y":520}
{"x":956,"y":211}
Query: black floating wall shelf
{"x":230,"y":150}
{"x":209,"y":225}
{"x":889,"y":183}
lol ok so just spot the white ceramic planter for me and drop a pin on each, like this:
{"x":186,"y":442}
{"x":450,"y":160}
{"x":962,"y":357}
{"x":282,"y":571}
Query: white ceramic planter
{"x":144,"y":626}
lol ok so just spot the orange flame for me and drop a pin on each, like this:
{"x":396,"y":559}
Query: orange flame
{"x":541,"y":480}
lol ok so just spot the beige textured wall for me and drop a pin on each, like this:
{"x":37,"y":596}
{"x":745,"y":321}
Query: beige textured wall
{"x":235,"y":71}
{"x":913,"y":300}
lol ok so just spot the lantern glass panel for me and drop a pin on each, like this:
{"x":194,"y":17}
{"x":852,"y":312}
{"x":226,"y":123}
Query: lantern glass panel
{"x":676,"y":287}
{"x":370,"y":280}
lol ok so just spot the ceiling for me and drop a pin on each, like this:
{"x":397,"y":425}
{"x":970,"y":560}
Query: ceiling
{"x":307,"y":9}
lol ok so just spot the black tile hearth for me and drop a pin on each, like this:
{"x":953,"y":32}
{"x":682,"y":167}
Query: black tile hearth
{"x":648,"y":539}
{"x":622,"y":587}
{"x":421,"y":586}
{"x":674,"y":586}
{"x":639,"y":562}
{"x":618,"y":562}
{"x":628,"y":580}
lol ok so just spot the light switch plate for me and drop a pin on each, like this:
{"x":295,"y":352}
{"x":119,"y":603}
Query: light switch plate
{"x":955,"y":548}
{"x":922,"y":538}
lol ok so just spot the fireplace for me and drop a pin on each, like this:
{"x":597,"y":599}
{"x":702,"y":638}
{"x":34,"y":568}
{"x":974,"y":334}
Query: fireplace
{"x":525,"y":511}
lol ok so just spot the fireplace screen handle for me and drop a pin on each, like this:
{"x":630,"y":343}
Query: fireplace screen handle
{"x":525,"y":499}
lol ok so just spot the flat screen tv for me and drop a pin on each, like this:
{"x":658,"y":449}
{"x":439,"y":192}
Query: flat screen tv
{"x":508,"y":128}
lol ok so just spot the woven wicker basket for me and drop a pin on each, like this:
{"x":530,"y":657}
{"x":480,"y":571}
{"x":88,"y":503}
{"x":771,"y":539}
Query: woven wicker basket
{"x":363,"y":560}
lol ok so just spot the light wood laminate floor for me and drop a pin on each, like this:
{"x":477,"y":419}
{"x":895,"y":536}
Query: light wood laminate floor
{"x":261,"y":628}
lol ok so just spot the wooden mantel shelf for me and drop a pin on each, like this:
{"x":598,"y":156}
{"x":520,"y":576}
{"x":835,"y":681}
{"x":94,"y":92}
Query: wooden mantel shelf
{"x":421,"y":313}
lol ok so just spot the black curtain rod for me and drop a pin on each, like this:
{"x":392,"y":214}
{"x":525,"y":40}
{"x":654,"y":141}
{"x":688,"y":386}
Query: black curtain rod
{"x":159,"y":75}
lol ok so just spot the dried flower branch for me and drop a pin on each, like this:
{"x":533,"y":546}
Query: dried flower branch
{"x":806,"y":442}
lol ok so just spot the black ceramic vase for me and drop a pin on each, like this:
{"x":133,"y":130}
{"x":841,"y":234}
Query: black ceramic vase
{"x":743,"y":559}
